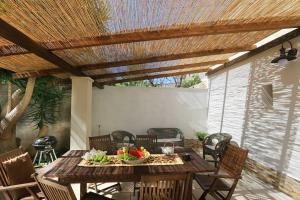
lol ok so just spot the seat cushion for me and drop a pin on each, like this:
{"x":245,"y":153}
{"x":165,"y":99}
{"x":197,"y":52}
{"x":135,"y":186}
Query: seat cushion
{"x":18,"y":171}
{"x":211,"y":147}
{"x":206,"y":181}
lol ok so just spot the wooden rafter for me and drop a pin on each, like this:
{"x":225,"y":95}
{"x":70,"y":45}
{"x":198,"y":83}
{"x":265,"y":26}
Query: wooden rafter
{"x":136,"y":61}
{"x":14,"y":35}
{"x":271,"y":44}
{"x":208,"y":28}
{"x":205,"y":66}
{"x":151,"y":77}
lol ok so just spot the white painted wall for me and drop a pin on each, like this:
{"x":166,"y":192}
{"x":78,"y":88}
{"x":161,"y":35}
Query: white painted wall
{"x":271,"y":134}
{"x":137,"y":109}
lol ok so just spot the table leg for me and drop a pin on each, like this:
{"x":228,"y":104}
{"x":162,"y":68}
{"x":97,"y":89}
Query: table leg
{"x":190,"y":190}
{"x":83,"y":189}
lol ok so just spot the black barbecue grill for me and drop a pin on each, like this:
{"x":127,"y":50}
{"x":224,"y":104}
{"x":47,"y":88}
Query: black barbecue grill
{"x":44,"y":147}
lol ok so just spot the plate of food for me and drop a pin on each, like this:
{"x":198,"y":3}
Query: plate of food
{"x":133,"y":155}
{"x":96,"y":157}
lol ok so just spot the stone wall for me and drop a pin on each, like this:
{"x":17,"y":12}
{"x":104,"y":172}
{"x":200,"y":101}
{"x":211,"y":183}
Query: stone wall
{"x":278,"y":180}
{"x":269,"y":129}
{"x":193,"y":143}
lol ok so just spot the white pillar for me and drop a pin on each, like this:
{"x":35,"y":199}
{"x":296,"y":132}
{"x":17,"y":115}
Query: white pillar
{"x":81,"y":112}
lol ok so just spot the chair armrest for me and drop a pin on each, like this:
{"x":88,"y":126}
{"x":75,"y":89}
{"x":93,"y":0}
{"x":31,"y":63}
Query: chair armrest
{"x":19,"y":186}
{"x":204,"y":142}
{"x":223,"y":176}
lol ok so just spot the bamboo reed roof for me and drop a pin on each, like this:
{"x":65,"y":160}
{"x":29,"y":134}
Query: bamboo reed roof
{"x":108,"y":39}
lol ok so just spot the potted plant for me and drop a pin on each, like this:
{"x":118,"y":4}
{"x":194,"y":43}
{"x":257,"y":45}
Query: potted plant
{"x":201,"y":135}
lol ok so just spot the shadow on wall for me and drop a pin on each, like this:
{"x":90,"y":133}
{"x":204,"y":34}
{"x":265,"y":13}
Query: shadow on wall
{"x":271,"y":133}
{"x":61,"y":130}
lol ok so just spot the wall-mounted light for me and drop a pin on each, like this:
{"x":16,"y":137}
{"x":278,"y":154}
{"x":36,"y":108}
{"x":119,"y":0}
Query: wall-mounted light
{"x":286,"y":56}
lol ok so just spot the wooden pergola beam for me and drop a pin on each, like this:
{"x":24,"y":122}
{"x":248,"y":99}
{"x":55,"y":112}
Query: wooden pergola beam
{"x":205,"y":66}
{"x":14,"y":35}
{"x":208,"y":28}
{"x":293,"y":34}
{"x":136,"y":61}
{"x":151,"y":77}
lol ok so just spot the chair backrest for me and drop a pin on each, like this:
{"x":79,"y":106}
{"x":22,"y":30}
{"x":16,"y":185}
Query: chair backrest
{"x":165,"y":187}
{"x":121,"y":136}
{"x":163,"y":133}
{"x":54,"y":190}
{"x":233,"y":160}
{"x":5,"y":157}
{"x":3,"y":177}
{"x":102,"y":142}
{"x":147,"y":141}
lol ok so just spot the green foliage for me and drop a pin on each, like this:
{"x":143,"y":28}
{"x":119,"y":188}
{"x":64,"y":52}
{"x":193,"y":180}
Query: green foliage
{"x":189,"y":82}
{"x":186,"y":82}
{"x":144,"y":83}
{"x":46,"y":98}
{"x":45,"y":102}
{"x":201,"y":135}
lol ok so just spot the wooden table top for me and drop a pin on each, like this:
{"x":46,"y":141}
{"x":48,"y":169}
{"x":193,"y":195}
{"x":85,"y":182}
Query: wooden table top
{"x":66,"y":169}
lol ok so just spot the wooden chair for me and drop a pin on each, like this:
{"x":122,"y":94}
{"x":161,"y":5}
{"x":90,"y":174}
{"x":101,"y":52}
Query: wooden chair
{"x":215,"y":150}
{"x":147,"y":141}
{"x":57,"y":191}
{"x":165,"y":187}
{"x":103,"y":143}
{"x":230,"y":168}
{"x":150,"y":143}
{"x":5,"y":187}
{"x":122,"y":138}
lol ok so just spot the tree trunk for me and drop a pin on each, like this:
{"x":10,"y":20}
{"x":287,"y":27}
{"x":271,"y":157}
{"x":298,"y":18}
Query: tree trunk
{"x":15,"y":99}
{"x":43,"y":131}
{"x":8,"y":123}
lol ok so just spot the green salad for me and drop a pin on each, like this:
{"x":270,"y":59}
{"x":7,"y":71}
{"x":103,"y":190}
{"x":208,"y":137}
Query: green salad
{"x":100,"y":158}
{"x":126,"y":156}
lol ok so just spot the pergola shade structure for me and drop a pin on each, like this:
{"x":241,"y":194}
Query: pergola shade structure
{"x":115,"y":41}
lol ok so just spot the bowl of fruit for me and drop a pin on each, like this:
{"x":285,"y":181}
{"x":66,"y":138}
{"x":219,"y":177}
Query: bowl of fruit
{"x":133,"y":155}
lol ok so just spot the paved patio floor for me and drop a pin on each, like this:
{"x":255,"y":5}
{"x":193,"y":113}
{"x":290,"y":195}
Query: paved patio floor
{"x":249,"y":188}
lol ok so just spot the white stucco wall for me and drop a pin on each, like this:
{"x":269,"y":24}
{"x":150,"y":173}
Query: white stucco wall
{"x":137,"y":109}
{"x":271,"y":134}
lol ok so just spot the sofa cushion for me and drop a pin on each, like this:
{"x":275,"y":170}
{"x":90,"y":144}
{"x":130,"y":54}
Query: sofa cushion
{"x":19,"y":170}
{"x":169,"y":140}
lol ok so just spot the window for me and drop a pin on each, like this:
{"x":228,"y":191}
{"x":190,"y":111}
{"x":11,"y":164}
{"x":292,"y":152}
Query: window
{"x":267,"y":95}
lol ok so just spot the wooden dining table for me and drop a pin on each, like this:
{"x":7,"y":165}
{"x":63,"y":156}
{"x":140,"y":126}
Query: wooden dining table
{"x":66,"y":170}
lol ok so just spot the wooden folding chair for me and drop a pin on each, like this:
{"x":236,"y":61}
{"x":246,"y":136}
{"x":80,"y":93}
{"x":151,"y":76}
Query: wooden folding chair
{"x":5,"y":186}
{"x":103,"y":143}
{"x":230,"y":168}
{"x":150,"y":143}
{"x":54,"y":190}
{"x":147,"y":141}
{"x":165,"y":187}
